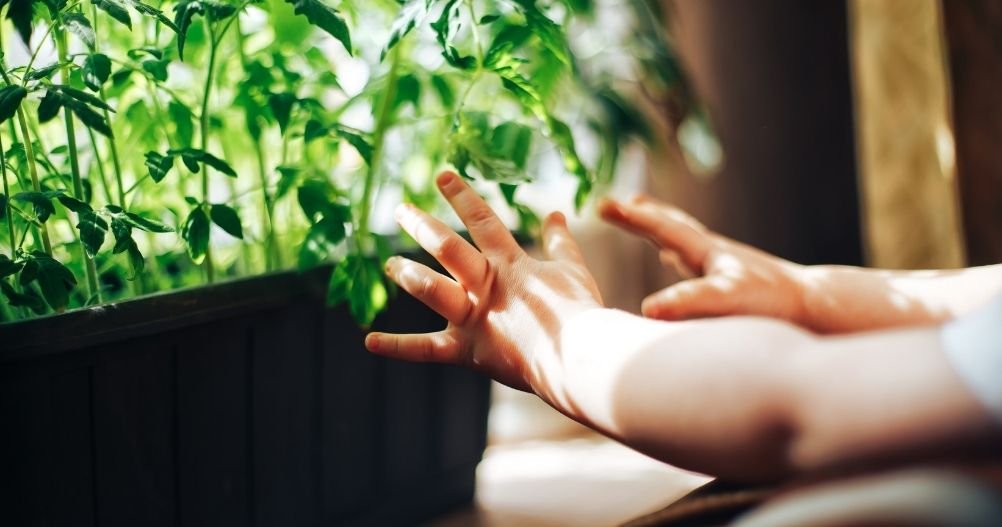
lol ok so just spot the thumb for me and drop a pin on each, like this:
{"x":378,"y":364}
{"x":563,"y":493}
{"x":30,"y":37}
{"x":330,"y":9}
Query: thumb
{"x":698,"y":298}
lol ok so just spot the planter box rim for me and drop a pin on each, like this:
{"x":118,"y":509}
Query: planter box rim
{"x":135,"y":317}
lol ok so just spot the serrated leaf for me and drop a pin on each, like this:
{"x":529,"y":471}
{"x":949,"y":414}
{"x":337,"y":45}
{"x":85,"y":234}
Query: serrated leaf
{"x":196,"y":234}
{"x":227,"y":219}
{"x":10,"y":99}
{"x":115,"y":10}
{"x":326,"y":18}
{"x":549,"y":32}
{"x":49,"y":107}
{"x":92,"y":229}
{"x":314,"y":129}
{"x":158,"y":165}
{"x":410,"y":15}
{"x":96,"y":70}
{"x":78,"y":24}
{"x":147,"y":224}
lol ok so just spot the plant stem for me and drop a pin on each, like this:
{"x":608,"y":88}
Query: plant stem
{"x":378,"y":137}
{"x":112,"y":146}
{"x":33,"y":172}
{"x":7,"y":211}
{"x":272,"y":258}
{"x":100,"y":167}
{"x":204,"y":131}
{"x":93,"y":288}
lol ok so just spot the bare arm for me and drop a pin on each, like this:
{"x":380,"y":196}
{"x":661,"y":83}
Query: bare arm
{"x":742,"y":397}
{"x":753,"y":398}
{"x":731,"y":278}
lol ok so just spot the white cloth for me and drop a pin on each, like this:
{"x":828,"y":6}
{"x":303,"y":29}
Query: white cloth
{"x":973,"y":345}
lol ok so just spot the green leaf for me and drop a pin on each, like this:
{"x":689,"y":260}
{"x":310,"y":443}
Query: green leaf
{"x":27,"y":299}
{"x":358,"y":281}
{"x":446,"y":28}
{"x":158,"y":165}
{"x":326,"y":18}
{"x":152,"y":12}
{"x":92,"y":229}
{"x":314,"y":129}
{"x":548,"y":31}
{"x":10,"y":99}
{"x":96,"y":70}
{"x":281,"y":107}
{"x":8,"y":266}
{"x":444,"y":90}
{"x":360,"y":143}
{"x":488,"y":19}
{"x":183,"y":122}
{"x":83,"y":96}
{"x":227,"y":219}
{"x":74,"y":204}
{"x":183,"y":13}
{"x":49,"y":107}
{"x":122,"y":232}
{"x":218,"y":10}
{"x":19,"y":13}
{"x":38,"y":74}
{"x":410,"y":16}
{"x":54,"y":279}
{"x":288,"y":177}
{"x":40,"y":201}
{"x":408,"y":91}
{"x":194,"y":154}
{"x":136,"y":260}
{"x":196,"y":234}
{"x":78,"y":24}
{"x":511,"y":140}
{"x":147,"y":224}
{"x":88,"y":116}
{"x":321,"y":242}
{"x":156,"y":68}
{"x":115,"y":10}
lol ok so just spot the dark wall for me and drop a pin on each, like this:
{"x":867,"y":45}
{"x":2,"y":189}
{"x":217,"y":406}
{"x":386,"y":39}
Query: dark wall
{"x":775,"y":78}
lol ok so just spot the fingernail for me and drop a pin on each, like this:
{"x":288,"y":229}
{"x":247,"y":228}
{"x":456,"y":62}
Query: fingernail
{"x":402,"y":211}
{"x":372,"y":342}
{"x":390,"y":263}
{"x":445,"y":179}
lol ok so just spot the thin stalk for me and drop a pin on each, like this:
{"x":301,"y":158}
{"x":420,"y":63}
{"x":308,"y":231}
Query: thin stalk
{"x":29,"y":153}
{"x":33,"y":172}
{"x":378,"y":138}
{"x":112,"y":147}
{"x":272,"y":258}
{"x":204,"y":130}
{"x":93,"y":288}
{"x":100,"y":167}
{"x":7,"y":211}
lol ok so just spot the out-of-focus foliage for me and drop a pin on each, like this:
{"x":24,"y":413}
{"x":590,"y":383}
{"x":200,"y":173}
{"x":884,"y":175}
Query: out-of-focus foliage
{"x":155,"y":146}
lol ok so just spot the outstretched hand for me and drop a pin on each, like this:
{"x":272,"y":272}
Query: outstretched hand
{"x":504,"y":309}
{"x":726,"y":277}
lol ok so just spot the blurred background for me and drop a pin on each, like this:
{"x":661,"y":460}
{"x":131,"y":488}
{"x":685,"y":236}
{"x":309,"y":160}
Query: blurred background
{"x":860,"y":132}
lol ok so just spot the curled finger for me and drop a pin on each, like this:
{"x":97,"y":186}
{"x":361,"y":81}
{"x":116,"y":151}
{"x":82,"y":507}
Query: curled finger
{"x":441,"y":346}
{"x":440,"y":293}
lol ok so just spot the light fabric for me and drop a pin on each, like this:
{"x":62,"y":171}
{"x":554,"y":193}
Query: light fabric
{"x":973,"y":345}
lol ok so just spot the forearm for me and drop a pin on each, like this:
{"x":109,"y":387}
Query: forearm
{"x":753,"y":398}
{"x":839,"y":299}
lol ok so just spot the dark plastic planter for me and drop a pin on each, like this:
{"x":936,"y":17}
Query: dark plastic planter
{"x":243,"y":403}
